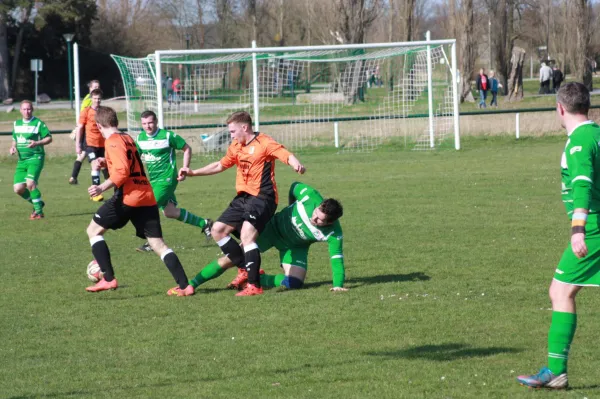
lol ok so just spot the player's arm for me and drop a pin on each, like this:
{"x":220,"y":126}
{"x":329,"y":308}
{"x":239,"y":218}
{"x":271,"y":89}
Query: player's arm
{"x":210,"y":169}
{"x":297,"y":190}
{"x":46,"y":137}
{"x":13,"y":146}
{"x":336,"y":257}
{"x":579,"y":154}
{"x":280,"y":152}
{"x":79,"y":131}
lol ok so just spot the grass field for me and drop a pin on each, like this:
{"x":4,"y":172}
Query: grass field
{"x":448,"y":254}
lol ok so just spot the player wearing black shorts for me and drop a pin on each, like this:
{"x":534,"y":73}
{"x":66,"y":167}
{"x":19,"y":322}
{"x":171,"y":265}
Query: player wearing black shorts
{"x":254,"y":155}
{"x":133,"y":202}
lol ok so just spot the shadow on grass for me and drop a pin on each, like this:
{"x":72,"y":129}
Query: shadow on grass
{"x":76,"y":214}
{"x":380,"y":279}
{"x":445,"y":352}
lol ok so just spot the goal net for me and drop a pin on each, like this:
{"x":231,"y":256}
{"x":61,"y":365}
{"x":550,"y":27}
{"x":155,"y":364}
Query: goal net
{"x":355,"y":99}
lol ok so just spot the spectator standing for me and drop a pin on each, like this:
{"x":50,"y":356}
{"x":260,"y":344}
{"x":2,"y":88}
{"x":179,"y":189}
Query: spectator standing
{"x":557,"y":79}
{"x":493,"y":83}
{"x":483,"y":86}
{"x":545,"y":77}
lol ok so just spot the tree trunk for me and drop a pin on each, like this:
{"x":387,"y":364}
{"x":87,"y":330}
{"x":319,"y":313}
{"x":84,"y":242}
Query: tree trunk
{"x":583,"y":64}
{"x":467,"y":61}
{"x":4,"y":64}
{"x":515,"y":80}
{"x":19,"y":45}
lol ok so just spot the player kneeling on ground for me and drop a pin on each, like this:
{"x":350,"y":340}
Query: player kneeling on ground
{"x":133,"y":201}
{"x":307,"y":220}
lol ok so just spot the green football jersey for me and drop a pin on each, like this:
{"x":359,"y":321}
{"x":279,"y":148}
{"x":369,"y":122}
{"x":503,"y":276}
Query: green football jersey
{"x":24,"y":131}
{"x":580,"y":169}
{"x":294,"y":227}
{"x":158,"y":152}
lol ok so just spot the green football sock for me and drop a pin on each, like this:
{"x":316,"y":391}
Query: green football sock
{"x":190,"y":218}
{"x":26,"y":196}
{"x":270,"y":281}
{"x":560,"y":337}
{"x":210,"y":271}
{"x":36,"y":198}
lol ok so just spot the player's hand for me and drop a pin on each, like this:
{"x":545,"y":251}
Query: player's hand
{"x":183,"y":173}
{"x":300,"y":169}
{"x":99,"y":163}
{"x":32,"y":144}
{"x":94,"y":191}
{"x":12,"y":151}
{"x":578,"y":245}
{"x":77,"y":149}
{"x":338,"y":289}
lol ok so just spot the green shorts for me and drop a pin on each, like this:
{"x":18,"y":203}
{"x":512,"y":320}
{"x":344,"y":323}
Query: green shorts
{"x":29,"y":169}
{"x":585,"y":271}
{"x":269,"y":238}
{"x":164,"y":195}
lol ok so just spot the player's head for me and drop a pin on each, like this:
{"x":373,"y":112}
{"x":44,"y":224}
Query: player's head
{"x":239,"y":125}
{"x":149,"y":121}
{"x":106,"y":119}
{"x":96,"y":96}
{"x":26,"y":109}
{"x":328,"y":212}
{"x":572,"y":100}
{"x":93,"y":85}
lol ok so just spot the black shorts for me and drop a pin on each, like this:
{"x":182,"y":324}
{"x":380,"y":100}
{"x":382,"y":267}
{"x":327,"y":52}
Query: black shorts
{"x":94,"y":152}
{"x":246,"y":207}
{"x":114,"y":214}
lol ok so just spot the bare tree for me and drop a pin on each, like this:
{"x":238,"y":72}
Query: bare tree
{"x":582,"y":63}
{"x":464,"y":31}
{"x":4,"y":63}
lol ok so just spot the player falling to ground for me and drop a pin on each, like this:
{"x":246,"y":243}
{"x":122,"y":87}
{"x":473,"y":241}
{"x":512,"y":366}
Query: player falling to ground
{"x":579,"y":265}
{"x":86,"y":102}
{"x":133,"y":201}
{"x":157,"y":147}
{"x":29,"y":136}
{"x":308,"y":219}
{"x":93,"y":139}
{"x":254,"y":154}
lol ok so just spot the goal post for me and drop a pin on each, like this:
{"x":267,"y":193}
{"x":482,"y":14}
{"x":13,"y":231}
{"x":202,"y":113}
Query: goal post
{"x":371,"y":95}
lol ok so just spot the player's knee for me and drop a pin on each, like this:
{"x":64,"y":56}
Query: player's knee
{"x":218,"y":231}
{"x":20,"y":189}
{"x":292,"y":282}
{"x":30,"y":185}
{"x":171,"y":213}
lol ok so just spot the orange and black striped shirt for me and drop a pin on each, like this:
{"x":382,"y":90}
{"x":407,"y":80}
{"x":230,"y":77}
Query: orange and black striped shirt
{"x":127,"y":171}
{"x":255,"y":162}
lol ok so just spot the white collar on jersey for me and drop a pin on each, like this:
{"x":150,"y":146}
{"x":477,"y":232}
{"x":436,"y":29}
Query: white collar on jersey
{"x":581,"y":124}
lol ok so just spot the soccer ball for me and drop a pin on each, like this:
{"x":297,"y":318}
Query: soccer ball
{"x":93,"y":271}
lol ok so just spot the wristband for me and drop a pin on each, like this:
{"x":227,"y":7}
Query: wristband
{"x":577,"y":230}
{"x":580,"y":216}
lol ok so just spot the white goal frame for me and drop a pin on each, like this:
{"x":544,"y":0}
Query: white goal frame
{"x":159,"y":54}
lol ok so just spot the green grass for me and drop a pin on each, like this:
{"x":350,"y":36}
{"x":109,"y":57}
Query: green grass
{"x":449,"y":255}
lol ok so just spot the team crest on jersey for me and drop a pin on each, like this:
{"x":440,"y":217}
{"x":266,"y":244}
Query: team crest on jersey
{"x":21,"y":140}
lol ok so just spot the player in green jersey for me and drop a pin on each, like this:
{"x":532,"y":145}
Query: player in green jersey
{"x":579,"y":265}
{"x":29,"y":135}
{"x":308,"y":219}
{"x":157,"y":147}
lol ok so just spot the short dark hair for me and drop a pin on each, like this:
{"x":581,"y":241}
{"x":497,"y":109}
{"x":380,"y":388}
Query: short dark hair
{"x":574,"y":97}
{"x":148,"y":113}
{"x":107,"y":117}
{"x":240,"y":117}
{"x":96,"y":92}
{"x":332,"y":208}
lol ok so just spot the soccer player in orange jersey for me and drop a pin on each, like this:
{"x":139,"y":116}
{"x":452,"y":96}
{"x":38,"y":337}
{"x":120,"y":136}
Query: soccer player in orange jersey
{"x":94,"y":139}
{"x":133,"y":201}
{"x":254,"y":154}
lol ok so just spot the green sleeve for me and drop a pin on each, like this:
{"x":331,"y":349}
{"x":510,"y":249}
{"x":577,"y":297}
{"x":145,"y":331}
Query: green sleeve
{"x":580,"y":152}
{"x":44,"y":131}
{"x":299,"y":190}
{"x":336,"y":255}
{"x":176,"y":141}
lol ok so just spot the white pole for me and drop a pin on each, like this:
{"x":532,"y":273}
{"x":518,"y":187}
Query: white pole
{"x":531,"y":66}
{"x":37,"y":68}
{"x":159,"y":99}
{"x":77,"y":82}
{"x":430,"y":90}
{"x":336,"y":134}
{"x":517,"y":125}
{"x":455,"y":88}
{"x":255,"y":88}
